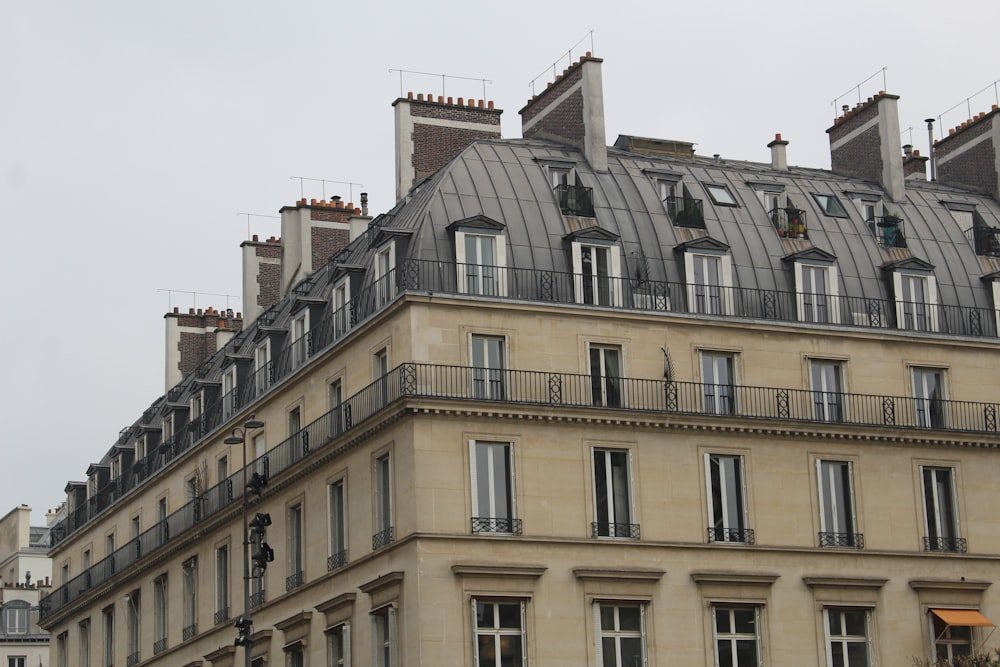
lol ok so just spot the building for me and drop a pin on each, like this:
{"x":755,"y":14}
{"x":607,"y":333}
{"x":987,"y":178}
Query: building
{"x":569,"y":403}
{"x":25,"y":571}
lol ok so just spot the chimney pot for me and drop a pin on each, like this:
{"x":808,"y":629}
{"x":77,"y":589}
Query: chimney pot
{"x":190,"y":311}
{"x":777,"y":136}
{"x":907,"y":150}
{"x":461,"y":101}
{"x":480,"y":104}
{"x":489,"y":105}
{"x":176,"y":310}
{"x":255,"y":238}
{"x":450,"y":101}
{"x":420,"y":97}
{"x":588,"y":55}
{"x":440,"y":99}
{"x":239,"y":315}
{"x":409,"y":95}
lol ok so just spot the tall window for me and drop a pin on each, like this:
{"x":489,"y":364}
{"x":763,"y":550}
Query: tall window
{"x":295,"y":574}
{"x":384,"y":637}
{"x":300,"y":343}
{"x":622,"y":629}
{"x":737,"y":636}
{"x":478,"y":268}
{"x":827,"y":390}
{"x":338,"y":526}
{"x":341,"y":309}
{"x":950,"y":641}
{"x":718,"y":377}
{"x":15,"y":617}
{"x":62,"y":649}
{"x":595,"y":274}
{"x":262,"y":367}
{"x":914,"y":304}
{"x":339,"y":645}
{"x":612,"y":496}
{"x":230,"y":401}
{"x":941,"y":510}
{"x":928,"y":395}
{"x":108,"y":623}
{"x":838,"y":527}
{"x":160,"y":614}
{"x":383,"y":501}
{"x":500,"y":635}
{"x":380,"y":368}
{"x":606,"y":375}
{"x":385,"y":279}
{"x":727,"y":499}
{"x":222,"y":584}
{"x":847,"y":638}
{"x":132,"y":604}
{"x":190,"y":598}
{"x":705,"y":284}
{"x":814,"y":294}
{"x":84,"y":629}
{"x":488,"y":367}
{"x":492,"y":488}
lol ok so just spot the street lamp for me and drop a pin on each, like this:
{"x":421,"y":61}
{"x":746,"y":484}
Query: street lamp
{"x":244,"y":624}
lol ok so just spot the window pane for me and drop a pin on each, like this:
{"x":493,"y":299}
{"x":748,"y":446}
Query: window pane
{"x":607,"y":617}
{"x":628,"y":618}
{"x":510,"y":615}
{"x":857,"y":654}
{"x":484,"y":615}
{"x":745,"y":620}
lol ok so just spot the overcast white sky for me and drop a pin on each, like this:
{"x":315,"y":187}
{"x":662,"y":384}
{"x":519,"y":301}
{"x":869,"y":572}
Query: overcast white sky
{"x":131,"y":134}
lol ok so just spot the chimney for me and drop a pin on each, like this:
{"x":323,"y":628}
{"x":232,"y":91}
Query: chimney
{"x":193,"y":338}
{"x":779,"y":156}
{"x":914,"y":164}
{"x":865,"y":143}
{"x":310,"y":235}
{"x":969,"y":157}
{"x":261,"y":275}
{"x":571,"y":111}
{"x":430,"y":134}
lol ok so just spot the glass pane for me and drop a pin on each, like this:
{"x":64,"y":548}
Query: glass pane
{"x":487,"y":650}
{"x":510,"y":615}
{"x":722,"y":620}
{"x":484,"y":615}
{"x":628,"y":618}
{"x":836,"y":627}
{"x":855,"y":621}
{"x":609,"y":657}
{"x":744,"y":621}
{"x":725,"y":650}
{"x":631,"y":652}
{"x":601,"y":487}
{"x":857,"y":654}
{"x":837,"y":652}
{"x":746,"y":653}
{"x":619,"y":486}
{"x":510,"y":651}
{"x":607,"y":617}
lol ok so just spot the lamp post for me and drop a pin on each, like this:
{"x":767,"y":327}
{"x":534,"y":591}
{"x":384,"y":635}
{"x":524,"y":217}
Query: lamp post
{"x":244,"y":623}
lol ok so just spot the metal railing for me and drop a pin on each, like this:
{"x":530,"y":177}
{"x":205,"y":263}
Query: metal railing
{"x":685,"y":212}
{"x":337,"y":560}
{"x":984,"y":239}
{"x":844,"y":540}
{"x":888,"y":231}
{"x":575,"y":200}
{"x":789,"y":222}
{"x":159,"y":646}
{"x":132,"y":659}
{"x":294,"y":580}
{"x":731,"y":535}
{"x":506,"y":526}
{"x":189,"y":632}
{"x":605,"y":529}
{"x":221,"y":616}
{"x":257,"y":599}
{"x":957,"y":545}
{"x":382,"y":538}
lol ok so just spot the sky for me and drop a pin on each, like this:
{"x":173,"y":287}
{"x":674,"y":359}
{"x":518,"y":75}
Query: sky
{"x":133,"y":134}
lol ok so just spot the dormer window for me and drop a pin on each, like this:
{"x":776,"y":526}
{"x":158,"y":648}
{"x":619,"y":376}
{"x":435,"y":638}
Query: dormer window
{"x":708,"y":272}
{"x":300,"y":341}
{"x":262,"y":367}
{"x":167,"y":427}
{"x":341,"y":296}
{"x":597,"y":270}
{"x":915,"y":291}
{"x":720,"y":195}
{"x":830,"y":205}
{"x":984,"y":238}
{"x":888,"y":229}
{"x":572,"y":197}
{"x":230,"y":401}
{"x":816,"y":286}
{"x":480,"y":256}
{"x":385,"y":278}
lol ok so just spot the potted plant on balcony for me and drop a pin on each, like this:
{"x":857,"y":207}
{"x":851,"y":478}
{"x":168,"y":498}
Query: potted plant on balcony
{"x":796,"y":227}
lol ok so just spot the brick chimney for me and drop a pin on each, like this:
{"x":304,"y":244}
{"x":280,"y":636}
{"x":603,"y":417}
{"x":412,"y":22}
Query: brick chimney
{"x":779,"y":156}
{"x":571,"y":111}
{"x":194,"y":337}
{"x":261,"y":275}
{"x":312,"y":233}
{"x":431,"y":133}
{"x":914,"y":164}
{"x":969,"y":157}
{"x":865,"y":143}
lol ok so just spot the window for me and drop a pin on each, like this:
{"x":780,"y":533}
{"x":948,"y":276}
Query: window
{"x":718,"y":377}
{"x":383,"y":501}
{"x":167,"y":428}
{"x":682,"y":209}
{"x":159,"y":614}
{"x":380,"y":368}
{"x":132,"y":603}
{"x":941,"y":510}
{"x":838,"y":527}
{"x":341,"y":308}
{"x":622,"y":632}
{"x":161,"y":520}
{"x":847,"y":637}
{"x":295,"y":568}
{"x":108,"y":623}
{"x":337,"y":408}
{"x":190,"y":599}
{"x":916,"y":296}
{"x":384,"y":637}
{"x":62,"y":650}
{"x":737,"y":636}
{"x":262,"y":367}
{"x":709,"y":277}
{"x":720,"y":195}
{"x":18,"y":661}
{"x":84,"y":629}
{"x":727,"y":499}
{"x":606,"y":375}
{"x":300,"y":341}
{"x":221,"y":584}
{"x":15,"y":617}
{"x":500,"y":636}
{"x":559,"y":176}
{"x":338,"y":641}
{"x":612,"y":495}
{"x":230,"y":401}
{"x":493,"y":488}
{"x":928,"y":397}
{"x":953,"y":633}
{"x":827,"y":389}
{"x":294,"y":656}
{"x":338,"y":526}
{"x":597,"y":274}
{"x":221,"y":469}
{"x":830,"y":205}
{"x":478,"y":257}
{"x":385,"y":278}
{"x":816,"y":292}
{"x":488,"y":367}
{"x":295,"y":432}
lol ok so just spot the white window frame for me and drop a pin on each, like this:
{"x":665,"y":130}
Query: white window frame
{"x":734,"y":636}
{"x":190,"y":592}
{"x":740,"y":522}
{"x":382,"y":482}
{"x":908,"y":310}
{"x":714,"y":401}
{"x":384,"y":644}
{"x":617,"y":634}
{"x":108,"y":635}
{"x":699,"y":298}
{"x":83,"y":628}
{"x":935,"y":526}
{"x":488,"y":379}
{"x":560,"y":175}
{"x":464,"y":262}
{"x":299,"y":333}
{"x":229,"y":395}
{"x":613,"y":295}
{"x":223,"y":579}
{"x":845,"y":639}
{"x":828,"y":402}
{"x":613,"y":382}
{"x":340,"y":300}
{"x":342,"y":630}
{"x":296,"y":525}
{"x":385,"y":271}
{"x":262,"y":361}
{"x":841,"y":512}
{"x":15,"y":619}
{"x":948,"y":642}
{"x":491,"y":511}
{"x":496,"y":632}
{"x":337,"y":517}
{"x":610,"y":518}
{"x":807,"y":304}
{"x":925,"y":403}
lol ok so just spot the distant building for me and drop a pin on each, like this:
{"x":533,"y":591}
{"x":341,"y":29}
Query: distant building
{"x":569,"y":403}
{"x":25,"y":572}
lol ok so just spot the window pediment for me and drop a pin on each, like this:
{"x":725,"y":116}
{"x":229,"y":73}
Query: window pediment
{"x":477,"y":223}
{"x":814,"y":255}
{"x":703,"y":244}
{"x":909,"y":264}
{"x":593,"y":234}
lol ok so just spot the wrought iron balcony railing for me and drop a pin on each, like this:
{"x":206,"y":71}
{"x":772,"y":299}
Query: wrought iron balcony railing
{"x":604,"y":529}
{"x":731,"y":535}
{"x":482,"y":524}
{"x":257,"y":598}
{"x":888,"y":231}
{"x":159,"y":646}
{"x":985,"y":239}
{"x":382,"y":539}
{"x":957,"y":545}
{"x":221,"y":616}
{"x":685,"y":212}
{"x":132,"y":659}
{"x":294,"y":580}
{"x":337,"y":560}
{"x":189,"y":632}
{"x":575,"y":200}
{"x":789,"y":222}
{"x":844,"y":540}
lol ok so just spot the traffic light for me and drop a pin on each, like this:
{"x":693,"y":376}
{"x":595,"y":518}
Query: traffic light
{"x":263,"y":554}
{"x":244,"y":627}
{"x":256,"y":483}
{"x":261,"y":557}
{"x":260,"y":521}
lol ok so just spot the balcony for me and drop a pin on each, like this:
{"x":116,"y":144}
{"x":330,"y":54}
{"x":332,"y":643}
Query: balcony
{"x":189,"y":632}
{"x":382,"y":539}
{"x":575,"y":200}
{"x":955,"y":545}
{"x":842,"y":540}
{"x":294,"y":580}
{"x":789,"y":222}
{"x":888,"y":231}
{"x":221,"y":616}
{"x":257,"y":598}
{"x":623,"y":530}
{"x":497,"y":526}
{"x":685,"y":212}
{"x":336,"y":561}
{"x":731,"y":535}
{"x":985,"y":240}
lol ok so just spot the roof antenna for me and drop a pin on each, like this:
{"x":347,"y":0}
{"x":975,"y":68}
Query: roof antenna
{"x":930,"y":141}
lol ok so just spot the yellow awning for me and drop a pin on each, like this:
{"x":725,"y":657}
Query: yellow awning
{"x":969,"y":617}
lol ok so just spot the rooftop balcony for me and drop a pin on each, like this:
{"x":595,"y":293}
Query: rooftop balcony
{"x":888,"y":231}
{"x":667,"y":399}
{"x":685,"y":212}
{"x":789,"y":222}
{"x":985,"y":239}
{"x":575,"y":200}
